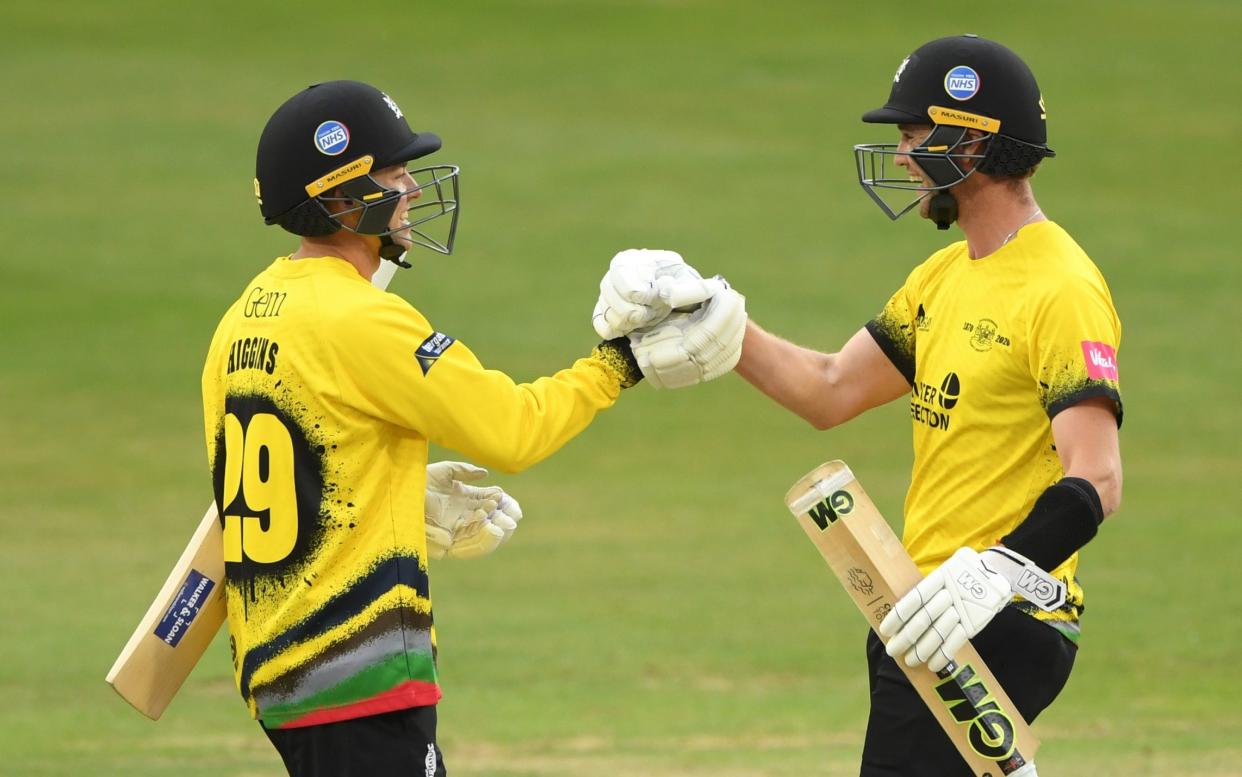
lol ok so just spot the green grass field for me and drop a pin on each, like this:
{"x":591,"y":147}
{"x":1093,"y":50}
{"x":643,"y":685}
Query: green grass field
{"x":659,"y":613}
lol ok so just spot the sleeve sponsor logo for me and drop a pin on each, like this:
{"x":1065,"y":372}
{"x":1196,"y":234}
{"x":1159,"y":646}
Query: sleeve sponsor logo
{"x":1101,"y":360}
{"x":185,"y":608}
{"x":432,"y":349}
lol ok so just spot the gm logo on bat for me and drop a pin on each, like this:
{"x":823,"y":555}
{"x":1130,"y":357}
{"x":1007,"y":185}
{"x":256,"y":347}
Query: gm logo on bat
{"x":971,"y":703}
{"x":827,"y":511}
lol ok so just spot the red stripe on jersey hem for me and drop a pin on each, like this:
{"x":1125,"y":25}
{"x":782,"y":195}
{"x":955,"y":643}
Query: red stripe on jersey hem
{"x":408,"y":694}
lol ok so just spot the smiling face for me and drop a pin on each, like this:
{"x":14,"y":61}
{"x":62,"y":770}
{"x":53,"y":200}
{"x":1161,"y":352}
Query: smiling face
{"x":964,"y":155}
{"x":913,"y":136}
{"x":398,"y":177}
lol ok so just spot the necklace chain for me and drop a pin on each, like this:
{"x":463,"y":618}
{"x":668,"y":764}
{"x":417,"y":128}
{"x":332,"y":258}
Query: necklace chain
{"x":1034,"y":215}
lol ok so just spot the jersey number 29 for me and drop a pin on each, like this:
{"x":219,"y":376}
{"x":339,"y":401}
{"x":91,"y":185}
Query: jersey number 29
{"x":258,"y":460}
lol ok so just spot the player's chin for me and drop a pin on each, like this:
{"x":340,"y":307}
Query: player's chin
{"x":402,"y":236}
{"x":925,"y":206}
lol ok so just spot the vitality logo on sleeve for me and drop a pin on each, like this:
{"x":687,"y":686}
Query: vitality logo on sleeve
{"x":1101,"y":360}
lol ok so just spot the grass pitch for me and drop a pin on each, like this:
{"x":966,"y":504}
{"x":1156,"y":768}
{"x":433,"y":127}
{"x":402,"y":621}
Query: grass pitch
{"x":658,"y":613}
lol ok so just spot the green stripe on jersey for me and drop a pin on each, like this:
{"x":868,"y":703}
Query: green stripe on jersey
{"x":372,"y":681}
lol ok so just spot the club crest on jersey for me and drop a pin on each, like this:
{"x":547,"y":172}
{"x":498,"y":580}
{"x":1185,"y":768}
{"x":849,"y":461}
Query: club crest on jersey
{"x":961,"y":83}
{"x":432,"y":349}
{"x":331,"y":138}
{"x":984,"y":333}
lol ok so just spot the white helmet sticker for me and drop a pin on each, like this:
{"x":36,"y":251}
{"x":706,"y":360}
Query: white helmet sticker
{"x":331,"y":138}
{"x":962,"y":82}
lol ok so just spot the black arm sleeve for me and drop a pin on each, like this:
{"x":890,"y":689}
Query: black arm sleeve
{"x":1065,"y":518}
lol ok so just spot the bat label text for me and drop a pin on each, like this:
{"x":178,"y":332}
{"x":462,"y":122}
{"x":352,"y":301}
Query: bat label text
{"x":185,"y":608}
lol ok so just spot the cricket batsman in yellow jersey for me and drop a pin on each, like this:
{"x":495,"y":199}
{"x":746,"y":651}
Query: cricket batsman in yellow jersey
{"x":321,"y":393}
{"x":1005,"y":346}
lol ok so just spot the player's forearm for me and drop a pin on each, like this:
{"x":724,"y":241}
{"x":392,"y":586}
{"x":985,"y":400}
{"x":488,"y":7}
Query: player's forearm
{"x":515,"y":426}
{"x":797,"y":378}
{"x":1089,"y":448}
{"x":1107,"y":482}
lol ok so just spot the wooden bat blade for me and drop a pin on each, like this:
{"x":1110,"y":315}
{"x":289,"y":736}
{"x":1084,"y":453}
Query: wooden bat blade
{"x":875,"y":570}
{"x":177,"y":627}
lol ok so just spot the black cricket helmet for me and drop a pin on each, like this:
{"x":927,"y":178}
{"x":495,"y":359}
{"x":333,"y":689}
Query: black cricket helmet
{"x":322,"y":145}
{"x":956,"y":85}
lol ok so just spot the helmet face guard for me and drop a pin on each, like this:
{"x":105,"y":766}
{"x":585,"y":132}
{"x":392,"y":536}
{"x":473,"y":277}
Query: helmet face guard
{"x":939,"y":156}
{"x":964,"y":87}
{"x":435,"y":196}
{"x":336,"y":134}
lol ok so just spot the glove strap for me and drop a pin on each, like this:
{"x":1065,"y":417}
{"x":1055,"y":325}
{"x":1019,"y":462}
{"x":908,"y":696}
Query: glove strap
{"x":1025,"y":577}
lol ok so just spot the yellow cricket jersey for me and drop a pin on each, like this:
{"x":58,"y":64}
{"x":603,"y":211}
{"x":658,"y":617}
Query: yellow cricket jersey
{"x":320,"y":394}
{"x":994,"y":348}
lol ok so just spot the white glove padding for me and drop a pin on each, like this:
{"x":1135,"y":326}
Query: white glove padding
{"x":455,"y":512}
{"x":642,"y":286}
{"x":479,"y":539}
{"x":952,"y":604}
{"x":689,"y":348}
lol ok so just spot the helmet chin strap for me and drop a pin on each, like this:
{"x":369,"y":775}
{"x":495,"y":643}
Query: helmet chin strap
{"x":942,"y":209}
{"x":394,"y":252}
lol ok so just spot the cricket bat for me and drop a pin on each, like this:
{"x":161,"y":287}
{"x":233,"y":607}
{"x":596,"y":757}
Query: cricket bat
{"x":178,"y":626}
{"x":185,"y":616}
{"x":873,"y":566}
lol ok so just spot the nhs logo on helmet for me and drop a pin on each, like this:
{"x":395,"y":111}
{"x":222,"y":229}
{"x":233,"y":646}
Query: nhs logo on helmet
{"x":962,"y":82}
{"x":331,"y":138}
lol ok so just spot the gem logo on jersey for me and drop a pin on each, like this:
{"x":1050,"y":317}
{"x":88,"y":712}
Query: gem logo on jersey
{"x":1101,"y":360}
{"x":432,"y":349}
{"x":331,"y":138}
{"x":961,"y":83}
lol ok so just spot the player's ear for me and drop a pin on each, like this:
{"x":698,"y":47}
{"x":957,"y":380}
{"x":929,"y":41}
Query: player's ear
{"x":971,"y":145}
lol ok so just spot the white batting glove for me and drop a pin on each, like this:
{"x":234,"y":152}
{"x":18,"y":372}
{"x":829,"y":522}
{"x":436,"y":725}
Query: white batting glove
{"x":479,"y":539}
{"x":690,"y":348}
{"x":642,"y":286}
{"x":464,"y":521}
{"x":952,"y":604}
